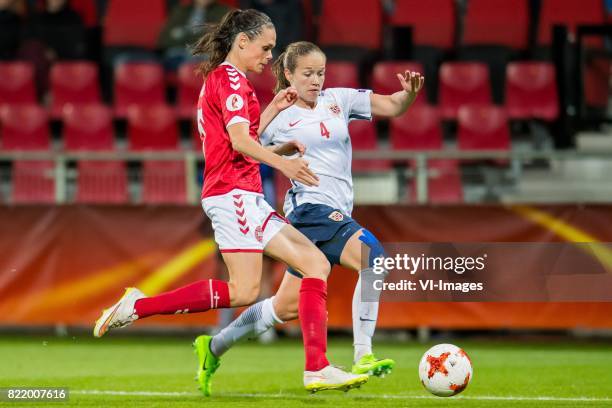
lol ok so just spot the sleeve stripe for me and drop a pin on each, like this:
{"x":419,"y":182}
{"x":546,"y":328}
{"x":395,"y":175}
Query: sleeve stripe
{"x":236,"y":119}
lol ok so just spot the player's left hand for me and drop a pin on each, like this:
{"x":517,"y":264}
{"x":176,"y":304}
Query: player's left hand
{"x":285,"y":98}
{"x":290,"y":148}
{"x":412,"y":82}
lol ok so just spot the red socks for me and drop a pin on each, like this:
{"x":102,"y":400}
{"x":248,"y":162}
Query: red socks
{"x":313,"y":319}
{"x":195,"y":297}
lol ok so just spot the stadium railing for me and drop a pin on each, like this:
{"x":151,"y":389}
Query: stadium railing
{"x":420,"y":172}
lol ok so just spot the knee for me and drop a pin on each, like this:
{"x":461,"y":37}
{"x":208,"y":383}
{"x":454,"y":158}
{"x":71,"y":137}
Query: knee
{"x":316,"y":265}
{"x":243,"y":294}
{"x":374,"y":245}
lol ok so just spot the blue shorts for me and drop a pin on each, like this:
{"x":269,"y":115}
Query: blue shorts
{"x":325,"y":227}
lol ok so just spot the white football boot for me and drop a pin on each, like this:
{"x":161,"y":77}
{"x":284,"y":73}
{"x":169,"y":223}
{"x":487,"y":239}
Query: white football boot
{"x":332,"y":378}
{"x":120,"y":314}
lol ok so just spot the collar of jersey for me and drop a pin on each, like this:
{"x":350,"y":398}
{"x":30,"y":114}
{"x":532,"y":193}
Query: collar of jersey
{"x":233,"y":66}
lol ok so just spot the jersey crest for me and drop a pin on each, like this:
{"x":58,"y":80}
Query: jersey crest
{"x":335,"y":109}
{"x":336,"y":216}
{"x":259,"y":234}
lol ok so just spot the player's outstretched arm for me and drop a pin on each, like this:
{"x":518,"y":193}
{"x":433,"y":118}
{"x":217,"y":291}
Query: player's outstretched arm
{"x":288,"y":148}
{"x":396,"y":104}
{"x":282,"y":100}
{"x":295,"y":169}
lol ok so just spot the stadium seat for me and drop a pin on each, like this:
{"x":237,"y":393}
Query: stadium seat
{"x":597,"y":82}
{"x":88,"y":127}
{"x":344,"y":23}
{"x":531,"y":91}
{"x":24,"y":127}
{"x":138,"y":83}
{"x":570,"y":13}
{"x":189,"y":87}
{"x":87,"y":10}
{"x":497,"y":22}
{"x":281,"y":185}
{"x":443,"y":183}
{"x":101,"y":182}
{"x":341,"y":75}
{"x":483,"y":127}
{"x":135,"y":23}
{"x":152,"y":128}
{"x":363,"y":138}
{"x":432,"y":21}
{"x":33,"y":182}
{"x":385,"y":82}
{"x":73,"y":83}
{"x":17,"y":84}
{"x":463,"y":83}
{"x":163,"y":182}
{"x":263,"y":84}
{"x":418,"y":129}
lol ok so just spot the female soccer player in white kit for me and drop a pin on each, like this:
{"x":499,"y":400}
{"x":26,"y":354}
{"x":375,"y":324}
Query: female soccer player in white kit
{"x":319,"y":121}
{"x":245,"y":225}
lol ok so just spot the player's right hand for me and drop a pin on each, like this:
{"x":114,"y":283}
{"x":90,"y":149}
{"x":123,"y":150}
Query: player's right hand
{"x":298,"y":170}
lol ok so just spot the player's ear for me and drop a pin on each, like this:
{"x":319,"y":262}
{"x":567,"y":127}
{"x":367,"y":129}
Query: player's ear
{"x":242,"y":40}
{"x":288,"y":75}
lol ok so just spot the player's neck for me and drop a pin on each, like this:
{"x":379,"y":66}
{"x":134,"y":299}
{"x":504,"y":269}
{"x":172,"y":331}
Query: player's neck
{"x":306,"y":105}
{"x":232,"y":59}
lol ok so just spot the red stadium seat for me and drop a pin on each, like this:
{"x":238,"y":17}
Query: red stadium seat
{"x":33,"y":182}
{"x":189,"y":87}
{"x":152,"y":128}
{"x":73,"y":83}
{"x":17,"y":84}
{"x":101,"y":182}
{"x":432,"y":21}
{"x":497,"y":22}
{"x":597,"y":82}
{"x":134,"y":23}
{"x":463,"y":83}
{"x":571,"y":13}
{"x":341,"y":75}
{"x":88,"y":127}
{"x":24,"y":127}
{"x":344,"y":23}
{"x":363,"y":137}
{"x":443,"y":183}
{"x":87,"y":10}
{"x":263,"y":84}
{"x":531,"y":91}
{"x":483,"y":127}
{"x":138,"y":83}
{"x":418,"y":129}
{"x":163,"y":182}
{"x":385,"y":82}
{"x":281,"y":185}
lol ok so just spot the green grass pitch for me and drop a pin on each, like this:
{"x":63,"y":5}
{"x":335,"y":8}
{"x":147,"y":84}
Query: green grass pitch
{"x":158,"y":372}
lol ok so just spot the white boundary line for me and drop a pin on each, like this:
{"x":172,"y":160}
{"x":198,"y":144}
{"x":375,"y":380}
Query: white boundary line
{"x":357,"y":395}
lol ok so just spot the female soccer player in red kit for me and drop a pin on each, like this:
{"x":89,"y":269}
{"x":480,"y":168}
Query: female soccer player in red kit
{"x":245,"y":225}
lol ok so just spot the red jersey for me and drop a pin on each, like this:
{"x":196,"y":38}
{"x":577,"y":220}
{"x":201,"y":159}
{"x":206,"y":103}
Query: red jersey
{"x":227,"y":97}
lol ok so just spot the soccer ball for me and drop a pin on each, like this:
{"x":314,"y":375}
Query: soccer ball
{"x":445,"y":370}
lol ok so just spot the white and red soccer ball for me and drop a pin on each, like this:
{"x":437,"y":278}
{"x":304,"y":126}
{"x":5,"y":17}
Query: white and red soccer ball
{"x":445,"y":370}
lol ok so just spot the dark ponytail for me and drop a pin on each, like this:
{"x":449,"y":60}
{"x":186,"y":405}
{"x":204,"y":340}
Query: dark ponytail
{"x":217,"y":41}
{"x":288,"y":59}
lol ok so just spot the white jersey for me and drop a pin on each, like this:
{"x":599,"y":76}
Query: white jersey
{"x":324,"y":132}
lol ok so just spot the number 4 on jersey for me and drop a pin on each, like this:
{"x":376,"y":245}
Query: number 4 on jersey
{"x":324,"y":131}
